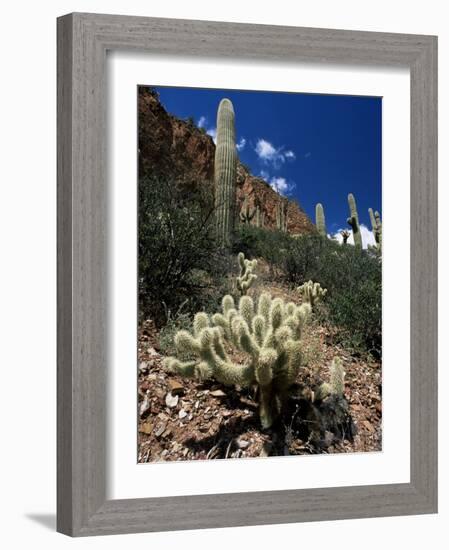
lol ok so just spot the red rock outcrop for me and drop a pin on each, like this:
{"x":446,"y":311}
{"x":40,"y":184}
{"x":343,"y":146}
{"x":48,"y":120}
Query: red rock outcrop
{"x":174,"y":148}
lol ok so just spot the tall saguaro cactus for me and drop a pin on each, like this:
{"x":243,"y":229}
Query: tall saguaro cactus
{"x":353,"y":221}
{"x":225,"y":172}
{"x":377,"y":227}
{"x":282,"y":215}
{"x":320,"y":220}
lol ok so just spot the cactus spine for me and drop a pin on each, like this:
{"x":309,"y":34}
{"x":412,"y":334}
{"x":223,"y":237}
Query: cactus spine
{"x":320,"y":220}
{"x":376,"y":224}
{"x":353,"y":221}
{"x":225,"y":172}
{"x":268,"y":331}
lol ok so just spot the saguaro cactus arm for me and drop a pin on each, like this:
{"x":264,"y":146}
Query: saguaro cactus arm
{"x":246,"y":213}
{"x":345,"y":235}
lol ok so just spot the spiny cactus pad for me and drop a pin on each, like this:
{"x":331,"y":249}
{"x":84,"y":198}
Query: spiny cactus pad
{"x":268,"y":332}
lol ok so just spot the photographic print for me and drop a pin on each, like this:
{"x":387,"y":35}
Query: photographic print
{"x":259,"y":274}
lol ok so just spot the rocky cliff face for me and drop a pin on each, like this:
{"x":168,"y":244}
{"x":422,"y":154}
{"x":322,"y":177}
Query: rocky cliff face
{"x":177,"y":149}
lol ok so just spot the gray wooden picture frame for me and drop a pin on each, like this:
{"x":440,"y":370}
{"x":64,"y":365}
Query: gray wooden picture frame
{"x":83,"y":40}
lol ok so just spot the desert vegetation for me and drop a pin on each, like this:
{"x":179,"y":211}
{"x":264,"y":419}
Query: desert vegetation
{"x":253,"y":341}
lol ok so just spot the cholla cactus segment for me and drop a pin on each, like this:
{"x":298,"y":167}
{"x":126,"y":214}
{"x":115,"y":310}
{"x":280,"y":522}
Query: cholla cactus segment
{"x":353,"y":221}
{"x":320,"y":220}
{"x":246,"y":276}
{"x":266,"y":331}
{"x":312,"y":292}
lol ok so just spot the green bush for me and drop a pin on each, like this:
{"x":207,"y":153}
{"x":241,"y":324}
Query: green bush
{"x":257,"y":242}
{"x":353,"y":279}
{"x":179,"y":260}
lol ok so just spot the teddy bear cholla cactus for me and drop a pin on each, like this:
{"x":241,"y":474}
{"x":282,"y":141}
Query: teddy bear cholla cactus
{"x":246,"y":276}
{"x":269,"y":332}
{"x":312,"y":292}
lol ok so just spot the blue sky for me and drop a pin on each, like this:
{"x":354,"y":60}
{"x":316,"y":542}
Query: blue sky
{"x":310,"y":147}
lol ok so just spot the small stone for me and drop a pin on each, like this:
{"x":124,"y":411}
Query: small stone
{"x":266,"y":449}
{"x":197,"y":404}
{"x":164,"y":452}
{"x":159,"y":394}
{"x":182,"y":414}
{"x":175,"y":387}
{"x":146,"y":428}
{"x":143,"y":366}
{"x":171,"y":400}
{"x":167,"y":432}
{"x":218,"y":393}
{"x":152,"y":352}
{"x":160,"y":429}
{"x":242,"y":443}
{"x":144,"y":406}
{"x":368,"y":426}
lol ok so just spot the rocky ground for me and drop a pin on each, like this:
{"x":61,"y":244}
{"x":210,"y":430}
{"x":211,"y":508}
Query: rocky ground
{"x":181,"y":419}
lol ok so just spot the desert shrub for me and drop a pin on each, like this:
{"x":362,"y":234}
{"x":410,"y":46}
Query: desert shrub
{"x":257,"y":242}
{"x":179,"y":260}
{"x":174,"y":323}
{"x":353,"y":279}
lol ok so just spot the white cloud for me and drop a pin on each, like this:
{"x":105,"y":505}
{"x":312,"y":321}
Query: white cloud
{"x":241,"y":144}
{"x":367,"y":236}
{"x":278,"y":183}
{"x":212,"y":132}
{"x":281,"y":185}
{"x":269,"y":154}
{"x":202,"y":122}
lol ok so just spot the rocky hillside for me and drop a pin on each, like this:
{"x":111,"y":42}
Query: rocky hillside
{"x":177,"y":149}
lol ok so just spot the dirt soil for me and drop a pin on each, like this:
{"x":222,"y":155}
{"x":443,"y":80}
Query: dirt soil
{"x":182,"y":419}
